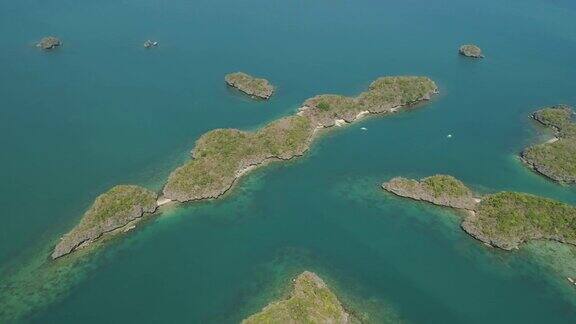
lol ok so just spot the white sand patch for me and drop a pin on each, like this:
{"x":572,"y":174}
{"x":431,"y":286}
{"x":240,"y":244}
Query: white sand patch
{"x":552,"y":140}
{"x":339,"y":122}
{"x":163,"y":201}
{"x":245,"y":170}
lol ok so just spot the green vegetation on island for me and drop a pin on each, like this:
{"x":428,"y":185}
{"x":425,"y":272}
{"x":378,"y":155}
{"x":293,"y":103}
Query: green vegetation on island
{"x":507,"y":219}
{"x":311,"y":301}
{"x":443,"y":190}
{"x":555,"y":159}
{"x":250,"y":85}
{"x":385,"y":94}
{"x":504,"y":220}
{"x":119,"y":206}
{"x":471,"y":51}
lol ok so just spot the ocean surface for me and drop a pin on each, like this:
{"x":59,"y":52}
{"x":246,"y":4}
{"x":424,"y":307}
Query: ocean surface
{"x":101,"y":110}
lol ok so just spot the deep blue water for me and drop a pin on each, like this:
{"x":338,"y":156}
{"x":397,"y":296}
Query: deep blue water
{"x":102,"y":110}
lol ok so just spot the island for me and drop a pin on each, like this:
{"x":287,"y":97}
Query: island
{"x":311,"y":301}
{"x":49,"y":42}
{"x":254,"y":87}
{"x":504,"y":220}
{"x":471,"y":51}
{"x":118,"y":207}
{"x":442,"y":190}
{"x":222,"y":156}
{"x":556,"y":158}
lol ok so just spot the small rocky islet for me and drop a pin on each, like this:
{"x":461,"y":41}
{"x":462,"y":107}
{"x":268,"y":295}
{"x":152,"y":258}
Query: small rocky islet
{"x":504,"y":219}
{"x":556,"y":158}
{"x":150,"y":43}
{"x":221,"y":156}
{"x":439,"y":190}
{"x":252,"y":86}
{"x":49,"y":42}
{"x":311,"y":301}
{"x":471,"y":50}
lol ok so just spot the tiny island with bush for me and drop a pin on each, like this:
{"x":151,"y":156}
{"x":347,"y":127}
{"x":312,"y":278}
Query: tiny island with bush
{"x":556,"y":158}
{"x":311,"y":301}
{"x":504,"y":219}
{"x":254,"y":87}
{"x":471,"y":50}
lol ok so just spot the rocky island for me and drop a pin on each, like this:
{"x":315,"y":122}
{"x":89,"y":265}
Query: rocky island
{"x":505,"y":219}
{"x":49,"y":42}
{"x":310,"y":301}
{"x":442,"y":190}
{"x":555,"y":159}
{"x":221,"y":156}
{"x":120,"y":206}
{"x":254,"y":87}
{"x":471,"y":51}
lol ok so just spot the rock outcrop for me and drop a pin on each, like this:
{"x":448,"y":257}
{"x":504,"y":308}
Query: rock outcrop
{"x":255,"y":87}
{"x":118,"y":207}
{"x":49,"y":42}
{"x":471,"y":51}
{"x":311,"y":301}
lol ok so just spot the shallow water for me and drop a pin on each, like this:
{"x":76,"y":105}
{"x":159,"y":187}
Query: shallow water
{"x":101,"y":110}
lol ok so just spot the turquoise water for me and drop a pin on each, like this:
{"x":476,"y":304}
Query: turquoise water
{"x":101,"y":110}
